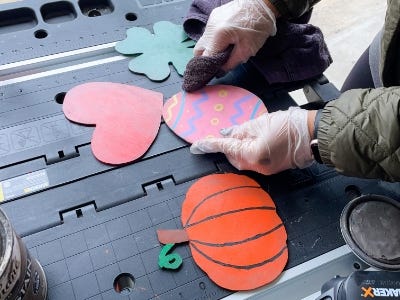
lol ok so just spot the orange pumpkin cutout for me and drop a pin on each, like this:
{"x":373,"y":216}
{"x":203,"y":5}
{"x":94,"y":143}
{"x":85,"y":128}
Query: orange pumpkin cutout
{"x":234,"y":232}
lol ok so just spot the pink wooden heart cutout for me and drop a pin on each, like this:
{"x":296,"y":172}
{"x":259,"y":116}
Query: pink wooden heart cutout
{"x":127,"y":118}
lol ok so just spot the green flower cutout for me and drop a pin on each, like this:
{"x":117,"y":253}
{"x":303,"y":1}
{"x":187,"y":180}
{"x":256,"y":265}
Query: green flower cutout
{"x":154,"y":52}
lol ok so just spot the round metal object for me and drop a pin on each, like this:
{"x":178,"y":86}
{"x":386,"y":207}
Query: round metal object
{"x":21,"y":276}
{"x":370,"y":225}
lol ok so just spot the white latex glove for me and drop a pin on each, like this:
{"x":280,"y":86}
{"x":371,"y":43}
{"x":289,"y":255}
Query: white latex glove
{"x":269,"y":144}
{"x":246,"y":24}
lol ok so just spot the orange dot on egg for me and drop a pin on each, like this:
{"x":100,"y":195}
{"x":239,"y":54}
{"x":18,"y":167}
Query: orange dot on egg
{"x":222,"y":93}
{"x":209,"y":136}
{"x":214,"y":121}
{"x":218,"y":107}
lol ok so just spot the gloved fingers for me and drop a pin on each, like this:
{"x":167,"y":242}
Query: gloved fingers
{"x":213,"y":145}
{"x":208,"y":145}
{"x":247,"y":42}
{"x":233,"y":131}
{"x":204,"y":48}
{"x":208,"y":43}
{"x":198,"y":51}
{"x":217,"y":43}
{"x":269,"y":144}
{"x":250,"y":129}
{"x":228,"y":146}
{"x":252,"y":157}
{"x":237,"y":131}
{"x":199,"y":47}
{"x":246,"y":154}
{"x":240,"y":54}
{"x":204,"y":146}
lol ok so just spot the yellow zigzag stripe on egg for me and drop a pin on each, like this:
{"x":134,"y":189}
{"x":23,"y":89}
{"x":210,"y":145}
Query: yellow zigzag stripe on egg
{"x":169,"y":110}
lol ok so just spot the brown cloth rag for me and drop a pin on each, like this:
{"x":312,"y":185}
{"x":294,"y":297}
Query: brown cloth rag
{"x":201,"y":69}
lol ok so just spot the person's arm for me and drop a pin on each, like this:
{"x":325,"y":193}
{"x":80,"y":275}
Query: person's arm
{"x":271,"y":143}
{"x":245,"y":24}
{"x":359,"y":133}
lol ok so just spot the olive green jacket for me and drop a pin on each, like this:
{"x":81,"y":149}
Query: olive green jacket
{"x":359,"y":133}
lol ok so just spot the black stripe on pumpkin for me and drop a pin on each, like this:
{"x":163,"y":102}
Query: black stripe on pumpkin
{"x":257,"y":236}
{"x":230,"y":212}
{"x":216,"y":194}
{"x":246,"y":267}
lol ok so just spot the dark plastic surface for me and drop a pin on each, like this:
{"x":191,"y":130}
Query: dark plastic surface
{"x":36,"y":28}
{"x":320,"y":91}
{"x":83,"y":255}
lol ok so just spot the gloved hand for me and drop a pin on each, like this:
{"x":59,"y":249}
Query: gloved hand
{"x":271,"y":143}
{"x":246,"y":24}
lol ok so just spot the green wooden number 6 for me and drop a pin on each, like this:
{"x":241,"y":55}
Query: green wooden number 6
{"x":169,"y":261}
